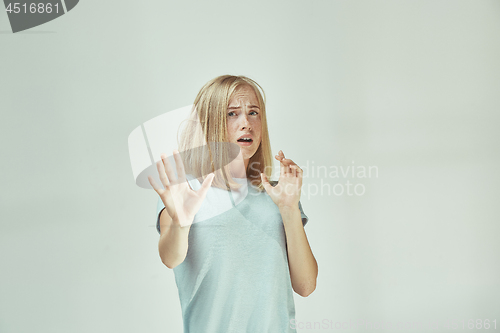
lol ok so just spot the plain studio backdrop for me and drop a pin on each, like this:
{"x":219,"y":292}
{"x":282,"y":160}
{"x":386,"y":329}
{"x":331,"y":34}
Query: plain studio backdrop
{"x":411,"y":88}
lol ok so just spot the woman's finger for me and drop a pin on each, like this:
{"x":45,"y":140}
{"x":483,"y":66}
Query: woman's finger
{"x":161,"y":173}
{"x":285,"y":169}
{"x":206,"y":184}
{"x":155,"y":186}
{"x":300,"y":172}
{"x":280,"y":156}
{"x":168,"y":168}
{"x":181,"y":175}
{"x":265,"y":182}
{"x":282,"y":159}
{"x":282,"y":166}
{"x":293,"y":170}
{"x":288,"y":168}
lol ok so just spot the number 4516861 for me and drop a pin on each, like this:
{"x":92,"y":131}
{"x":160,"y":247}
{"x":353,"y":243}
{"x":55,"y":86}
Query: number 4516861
{"x":32,"y":8}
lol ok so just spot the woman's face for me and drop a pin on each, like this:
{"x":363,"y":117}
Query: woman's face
{"x":243,"y":121}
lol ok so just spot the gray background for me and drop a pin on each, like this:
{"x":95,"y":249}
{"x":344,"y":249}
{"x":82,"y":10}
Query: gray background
{"x":411,"y":87}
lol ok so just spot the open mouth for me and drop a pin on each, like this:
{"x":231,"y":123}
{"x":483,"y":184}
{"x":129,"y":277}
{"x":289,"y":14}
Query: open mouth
{"x":245,"y":140}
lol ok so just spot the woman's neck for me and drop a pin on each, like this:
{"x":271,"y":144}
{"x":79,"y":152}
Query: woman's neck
{"x":238,"y":167}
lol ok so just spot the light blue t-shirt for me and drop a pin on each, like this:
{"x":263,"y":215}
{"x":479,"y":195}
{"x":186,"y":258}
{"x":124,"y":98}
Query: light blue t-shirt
{"x":235,"y":277}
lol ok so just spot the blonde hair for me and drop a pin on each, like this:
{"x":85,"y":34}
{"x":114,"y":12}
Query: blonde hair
{"x":203,"y":149}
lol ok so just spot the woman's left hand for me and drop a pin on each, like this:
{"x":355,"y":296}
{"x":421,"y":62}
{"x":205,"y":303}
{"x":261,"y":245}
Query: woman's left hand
{"x":286,"y":194}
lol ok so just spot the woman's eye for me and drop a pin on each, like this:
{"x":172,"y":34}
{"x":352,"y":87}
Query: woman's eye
{"x":230,"y":113}
{"x":254,"y":112}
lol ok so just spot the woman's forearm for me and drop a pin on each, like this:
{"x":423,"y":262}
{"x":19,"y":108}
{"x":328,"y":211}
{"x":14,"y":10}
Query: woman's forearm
{"x":173,"y":244}
{"x":301,"y":261}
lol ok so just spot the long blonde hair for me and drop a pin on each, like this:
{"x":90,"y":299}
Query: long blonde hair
{"x":205,"y":148}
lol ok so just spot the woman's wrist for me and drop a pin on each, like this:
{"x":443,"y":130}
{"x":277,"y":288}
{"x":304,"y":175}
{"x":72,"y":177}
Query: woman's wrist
{"x":287,"y":209}
{"x":181,"y":225}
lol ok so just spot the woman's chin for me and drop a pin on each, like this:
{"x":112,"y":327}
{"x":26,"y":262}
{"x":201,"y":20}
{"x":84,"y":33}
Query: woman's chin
{"x":247,"y":154}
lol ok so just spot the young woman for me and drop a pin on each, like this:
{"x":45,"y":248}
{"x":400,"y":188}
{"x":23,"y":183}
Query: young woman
{"x":234,"y":239}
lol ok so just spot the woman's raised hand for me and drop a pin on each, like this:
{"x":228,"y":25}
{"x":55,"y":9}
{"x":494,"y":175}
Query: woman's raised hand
{"x":181,"y":202}
{"x":286,"y":194}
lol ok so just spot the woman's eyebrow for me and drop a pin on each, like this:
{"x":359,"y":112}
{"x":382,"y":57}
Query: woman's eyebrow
{"x":239,"y":107}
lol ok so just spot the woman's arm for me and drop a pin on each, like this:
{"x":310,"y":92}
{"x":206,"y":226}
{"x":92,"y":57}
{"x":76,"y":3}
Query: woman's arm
{"x":286,"y":195}
{"x":301,"y":261}
{"x":173,"y":243}
{"x":181,"y":205}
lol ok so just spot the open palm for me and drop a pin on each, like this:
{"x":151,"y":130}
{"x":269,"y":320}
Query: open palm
{"x":181,"y":202}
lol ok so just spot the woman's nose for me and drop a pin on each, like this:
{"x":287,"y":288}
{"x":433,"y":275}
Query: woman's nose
{"x":244,"y":122}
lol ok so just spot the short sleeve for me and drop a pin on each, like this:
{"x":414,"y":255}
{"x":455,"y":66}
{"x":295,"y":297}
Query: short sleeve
{"x":159,"y":208}
{"x":304,"y":216}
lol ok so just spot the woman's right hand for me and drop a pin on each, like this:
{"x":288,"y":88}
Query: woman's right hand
{"x":181,"y":202}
